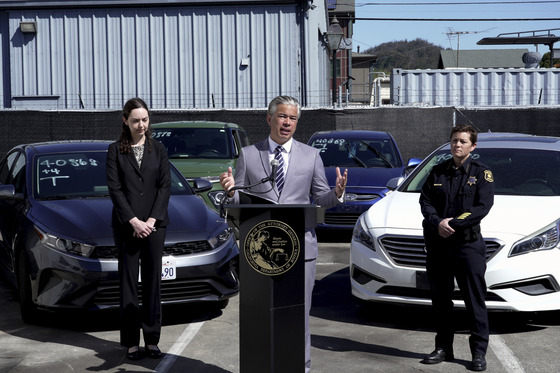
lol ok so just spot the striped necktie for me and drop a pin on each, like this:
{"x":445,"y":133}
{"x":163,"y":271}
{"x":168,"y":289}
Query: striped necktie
{"x":280,"y":171}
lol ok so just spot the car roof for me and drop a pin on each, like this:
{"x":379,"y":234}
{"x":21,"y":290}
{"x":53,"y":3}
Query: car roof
{"x":353,"y":134}
{"x":65,"y":145}
{"x":195,"y":124}
{"x":515,"y":140}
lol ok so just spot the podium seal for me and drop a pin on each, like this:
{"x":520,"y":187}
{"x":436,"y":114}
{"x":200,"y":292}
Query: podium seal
{"x":271,"y":247}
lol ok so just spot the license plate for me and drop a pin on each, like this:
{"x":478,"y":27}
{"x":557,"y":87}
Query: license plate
{"x":168,"y":270}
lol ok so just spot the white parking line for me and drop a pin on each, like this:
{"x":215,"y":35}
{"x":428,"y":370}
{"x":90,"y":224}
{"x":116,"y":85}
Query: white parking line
{"x":505,"y":355}
{"x":178,"y":347}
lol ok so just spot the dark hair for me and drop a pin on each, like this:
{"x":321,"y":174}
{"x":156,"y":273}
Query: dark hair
{"x":126,"y":137}
{"x":283,"y":100}
{"x":465,"y":128}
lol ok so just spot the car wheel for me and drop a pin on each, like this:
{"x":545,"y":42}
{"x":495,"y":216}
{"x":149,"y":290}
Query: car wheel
{"x":222,"y":303}
{"x":29,"y":311}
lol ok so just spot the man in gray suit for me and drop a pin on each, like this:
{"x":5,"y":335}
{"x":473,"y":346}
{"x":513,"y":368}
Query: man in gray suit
{"x":300,"y":176}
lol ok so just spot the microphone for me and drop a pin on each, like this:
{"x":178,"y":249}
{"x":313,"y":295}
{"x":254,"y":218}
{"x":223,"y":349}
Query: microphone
{"x":274,"y":163}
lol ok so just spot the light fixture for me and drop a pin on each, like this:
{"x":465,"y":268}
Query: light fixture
{"x":334,"y":36}
{"x":28,"y":27}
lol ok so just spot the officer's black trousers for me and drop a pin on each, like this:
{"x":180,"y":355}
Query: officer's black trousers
{"x":466,"y":262}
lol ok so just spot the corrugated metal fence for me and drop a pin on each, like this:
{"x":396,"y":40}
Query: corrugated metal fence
{"x":174,"y":57}
{"x":475,"y":87}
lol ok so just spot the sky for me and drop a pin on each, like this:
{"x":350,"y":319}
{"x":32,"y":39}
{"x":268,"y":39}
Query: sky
{"x":449,"y":32}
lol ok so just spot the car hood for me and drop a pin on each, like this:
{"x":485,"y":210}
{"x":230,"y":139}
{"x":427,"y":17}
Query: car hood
{"x":197,"y":167}
{"x":89,"y":220}
{"x":516,"y":215}
{"x":374,"y":177}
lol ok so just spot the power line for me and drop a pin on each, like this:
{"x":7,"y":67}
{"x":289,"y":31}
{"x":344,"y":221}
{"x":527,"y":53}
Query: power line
{"x":449,"y":19}
{"x":465,"y":3}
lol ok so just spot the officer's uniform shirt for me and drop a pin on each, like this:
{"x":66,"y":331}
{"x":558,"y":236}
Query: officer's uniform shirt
{"x":465,"y":193}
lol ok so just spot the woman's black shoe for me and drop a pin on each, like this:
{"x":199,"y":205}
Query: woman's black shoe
{"x":153,"y":352}
{"x":135,"y":354}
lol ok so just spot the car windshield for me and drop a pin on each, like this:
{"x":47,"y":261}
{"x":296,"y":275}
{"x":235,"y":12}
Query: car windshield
{"x":340,"y":152}
{"x":81,"y":175}
{"x":519,"y":172}
{"x":195,"y":142}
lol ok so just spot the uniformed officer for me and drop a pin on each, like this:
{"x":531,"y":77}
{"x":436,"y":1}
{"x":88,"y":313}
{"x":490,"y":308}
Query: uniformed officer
{"x":456,"y":196}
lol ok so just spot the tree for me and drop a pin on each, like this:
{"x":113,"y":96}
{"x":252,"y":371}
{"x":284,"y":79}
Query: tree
{"x":545,"y":62}
{"x":415,"y":54}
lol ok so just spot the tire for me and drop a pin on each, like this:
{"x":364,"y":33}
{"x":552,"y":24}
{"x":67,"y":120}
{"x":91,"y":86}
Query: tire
{"x":221,"y":304}
{"x":30,"y":314}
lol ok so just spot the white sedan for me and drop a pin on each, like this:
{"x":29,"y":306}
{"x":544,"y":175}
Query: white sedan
{"x":387,"y":256}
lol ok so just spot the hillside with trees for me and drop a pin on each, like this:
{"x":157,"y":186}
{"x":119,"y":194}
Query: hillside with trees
{"x":415,"y":54}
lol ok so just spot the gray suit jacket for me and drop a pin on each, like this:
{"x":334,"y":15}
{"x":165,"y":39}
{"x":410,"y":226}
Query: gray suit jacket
{"x":304,"y":179}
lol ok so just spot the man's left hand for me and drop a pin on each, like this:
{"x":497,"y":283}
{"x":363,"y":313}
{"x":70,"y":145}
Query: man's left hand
{"x":340,"y":182}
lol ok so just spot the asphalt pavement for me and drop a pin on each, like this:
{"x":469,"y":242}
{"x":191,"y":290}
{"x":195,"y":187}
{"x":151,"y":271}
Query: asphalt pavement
{"x":347,"y":336}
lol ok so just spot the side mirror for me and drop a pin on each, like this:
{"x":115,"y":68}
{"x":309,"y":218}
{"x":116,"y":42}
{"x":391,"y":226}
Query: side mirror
{"x":393,"y":183}
{"x":8,"y":191}
{"x":411,"y":165}
{"x":201,"y":185}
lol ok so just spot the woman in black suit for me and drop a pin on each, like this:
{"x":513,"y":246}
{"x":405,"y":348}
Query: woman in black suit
{"x":139,"y":186}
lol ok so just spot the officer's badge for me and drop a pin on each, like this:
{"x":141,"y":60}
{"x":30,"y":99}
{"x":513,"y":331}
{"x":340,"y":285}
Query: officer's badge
{"x":471,"y":180}
{"x":488,"y":176}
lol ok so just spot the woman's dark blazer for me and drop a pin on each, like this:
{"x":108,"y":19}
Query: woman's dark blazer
{"x":142,"y":192}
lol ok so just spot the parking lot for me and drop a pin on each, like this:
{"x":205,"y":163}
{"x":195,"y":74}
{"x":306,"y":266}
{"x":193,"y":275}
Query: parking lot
{"x":346,"y":335}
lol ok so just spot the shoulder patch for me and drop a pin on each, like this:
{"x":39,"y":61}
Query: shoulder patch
{"x":488,"y":176}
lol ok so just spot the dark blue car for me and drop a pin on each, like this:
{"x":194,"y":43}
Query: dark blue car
{"x":56,"y":237}
{"x":372,"y":158}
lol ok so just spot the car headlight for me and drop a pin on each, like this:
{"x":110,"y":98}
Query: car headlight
{"x":545,"y":239}
{"x":361,"y":234}
{"x":219,"y":239}
{"x":62,"y":244}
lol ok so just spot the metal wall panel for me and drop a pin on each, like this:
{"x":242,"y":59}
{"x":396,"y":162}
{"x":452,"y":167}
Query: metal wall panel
{"x":476,"y":87}
{"x":174,"y":57}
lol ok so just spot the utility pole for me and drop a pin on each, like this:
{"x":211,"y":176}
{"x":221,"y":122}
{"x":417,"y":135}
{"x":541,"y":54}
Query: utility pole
{"x":459,"y":33}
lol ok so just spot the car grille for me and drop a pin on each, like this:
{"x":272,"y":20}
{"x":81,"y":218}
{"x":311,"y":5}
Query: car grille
{"x":341,"y":219}
{"x":409,"y":250}
{"x":182,"y":248}
{"x":171,"y":291}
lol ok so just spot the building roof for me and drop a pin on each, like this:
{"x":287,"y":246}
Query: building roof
{"x":341,"y":6}
{"x":482,"y":58}
{"x":49,"y":4}
{"x":364,"y":56}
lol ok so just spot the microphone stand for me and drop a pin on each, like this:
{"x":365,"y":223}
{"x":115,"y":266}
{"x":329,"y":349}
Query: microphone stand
{"x":271,"y":178}
{"x":227,"y":192}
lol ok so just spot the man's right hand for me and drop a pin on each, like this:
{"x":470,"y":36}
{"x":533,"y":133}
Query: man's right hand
{"x":227,"y":181}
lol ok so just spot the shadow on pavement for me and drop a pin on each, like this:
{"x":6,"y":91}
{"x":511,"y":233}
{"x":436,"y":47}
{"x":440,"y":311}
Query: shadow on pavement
{"x":332,"y":235}
{"x":59,"y":335}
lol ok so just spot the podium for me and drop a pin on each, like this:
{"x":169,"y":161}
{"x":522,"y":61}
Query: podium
{"x":272,"y":288}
